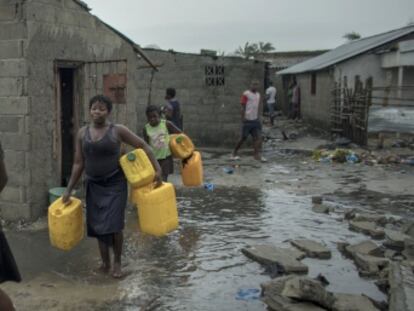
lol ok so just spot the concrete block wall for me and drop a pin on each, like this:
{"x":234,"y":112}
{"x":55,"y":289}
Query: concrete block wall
{"x":14,"y":109}
{"x":211,"y":113}
{"x":33,"y":35}
{"x":63,"y":30}
{"x":315,"y":108}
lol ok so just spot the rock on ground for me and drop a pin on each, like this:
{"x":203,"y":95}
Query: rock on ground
{"x":349,"y":302}
{"x":365,"y":247}
{"x":401,"y":279}
{"x":368,"y":228}
{"x":303,"y":293}
{"x":312,"y":249}
{"x":320,"y":208}
{"x":370,"y":265}
{"x":294,"y":293}
{"x":395,"y":239}
{"x":279,"y":303}
{"x":286,"y":259}
{"x":409,"y":249}
{"x":408,"y":228}
{"x":378,"y":219}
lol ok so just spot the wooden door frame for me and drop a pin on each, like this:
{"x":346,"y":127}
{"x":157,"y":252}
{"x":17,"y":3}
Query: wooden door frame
{"x":57,"y":132}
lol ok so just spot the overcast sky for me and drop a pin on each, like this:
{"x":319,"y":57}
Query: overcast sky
{"x":189,"y":25}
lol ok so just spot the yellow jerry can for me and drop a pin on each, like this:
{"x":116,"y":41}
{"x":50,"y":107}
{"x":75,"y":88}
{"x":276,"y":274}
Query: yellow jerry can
{"x":181,"y":146}
{"x":157,"y":209}
{"x":192,"y":171}
{"x":66,"y":227}
{"x":137,"y":168}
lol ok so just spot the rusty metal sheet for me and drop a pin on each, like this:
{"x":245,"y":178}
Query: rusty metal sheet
{"x":114,"y":86}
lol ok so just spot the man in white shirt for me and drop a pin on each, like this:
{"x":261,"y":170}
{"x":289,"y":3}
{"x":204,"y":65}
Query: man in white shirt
{"x":271,"y":101}
{"x":251,"y":125}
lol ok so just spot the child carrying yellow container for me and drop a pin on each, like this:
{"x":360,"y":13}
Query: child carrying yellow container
{"x":157,"y":134}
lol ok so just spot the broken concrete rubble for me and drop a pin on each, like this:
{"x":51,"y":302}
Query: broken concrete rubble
{"x":320,"y":208}
{"x":317,"y":199}
{"x":365,"y":247}
{"x":279,"y":303}
{"x":349,"y":302}
{"x":274,"y":294}
{"x":306,"y":289}
{"x":286,"y":259}
{"x":312,"y":249}
{"x":378,"y":219}
{"x":370,"y":265}
{"x":408,"y":228}
{"x":401,"y":279}
{"x":368,"y":228}
{"x":409,"y":249}
{"x":390,"y":254}
{"x":395,"y":239}
{"x":288,"y":292}
{"x":350,"y":213}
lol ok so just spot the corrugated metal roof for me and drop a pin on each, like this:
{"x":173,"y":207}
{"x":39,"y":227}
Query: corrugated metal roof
{"x":347,"y":51}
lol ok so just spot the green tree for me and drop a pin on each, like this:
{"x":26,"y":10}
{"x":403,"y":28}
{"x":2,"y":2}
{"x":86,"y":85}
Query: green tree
{"x":350,"y":36}
{"x":253,"y":49}
{"x":265,"y":47}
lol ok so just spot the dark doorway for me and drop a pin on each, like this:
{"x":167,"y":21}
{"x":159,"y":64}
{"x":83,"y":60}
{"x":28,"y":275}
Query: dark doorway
{"x":66,"y":81}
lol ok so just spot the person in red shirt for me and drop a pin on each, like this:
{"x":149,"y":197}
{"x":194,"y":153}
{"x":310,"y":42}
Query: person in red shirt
{"x":251,"y":124}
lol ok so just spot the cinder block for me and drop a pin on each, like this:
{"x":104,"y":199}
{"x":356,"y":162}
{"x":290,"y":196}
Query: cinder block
{"x":42,"y":13}
{"x":14,"y":161}
{"x":11,"y":49}
{"x":14,"y":105}
{"x":7,"y":12}
{"x":17,"y":179}
{"x":13,"y":68}
{"x":10,"y":124}
{"x":15,"y":211}
{"x":13,"y":31}
{"x":11,"y":86}
{"x":13,"y":194}
{"x":17,"y":142}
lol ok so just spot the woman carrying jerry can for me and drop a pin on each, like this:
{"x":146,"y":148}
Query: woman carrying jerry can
{"x":157,"y":134}
{"x":98,"y":149}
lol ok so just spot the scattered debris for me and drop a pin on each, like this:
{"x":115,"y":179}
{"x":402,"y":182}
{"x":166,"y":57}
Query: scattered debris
{"x":395,"y":239}
{"x":303,"y":294}
{"x":312,"y":249}
{"x":292,"y":293}
{"x":370,"y":265}
{"x":368,"y":228}
{"x":401,"y":279}
{"x":286,"y":259}
{"x":350,"y":302}
{"x":317,"y":199}
{"x":209,"y":186}
{"x":377,"y":218}
{"x":320,"y":208}
{"x":409,"y":249}
{"x":365,"y":248}
{"x":408,"y":228}
{"x":248,"y":294}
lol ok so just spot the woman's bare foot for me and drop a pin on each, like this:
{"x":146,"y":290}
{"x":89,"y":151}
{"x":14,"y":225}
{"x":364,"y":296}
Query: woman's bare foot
{"x":104,"y":269}
{"x":117,"y":271}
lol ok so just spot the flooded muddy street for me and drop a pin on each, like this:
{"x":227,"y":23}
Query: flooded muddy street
{"x":201,"y":266}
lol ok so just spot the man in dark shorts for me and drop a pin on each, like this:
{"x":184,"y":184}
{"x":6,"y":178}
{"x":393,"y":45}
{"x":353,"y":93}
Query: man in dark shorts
{"x":251,"y":125}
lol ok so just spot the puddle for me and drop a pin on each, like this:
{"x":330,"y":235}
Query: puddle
{"x":200,"y":266}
